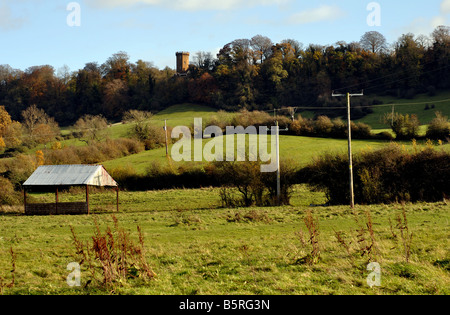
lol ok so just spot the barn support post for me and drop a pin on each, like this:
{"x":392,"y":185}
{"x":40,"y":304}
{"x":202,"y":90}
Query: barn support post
{"x":87,"y":198}
{"x":56,"y":200}
{"x":117,"y":192}
{"x":25,"y":199}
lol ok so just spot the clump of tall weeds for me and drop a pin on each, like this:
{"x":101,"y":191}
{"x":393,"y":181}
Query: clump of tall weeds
{"x":112,"y":257}
{"x":363,"y":244}
{"x":405,"y":235}
{"x":312,"y":225}
{"x":366,"y":238}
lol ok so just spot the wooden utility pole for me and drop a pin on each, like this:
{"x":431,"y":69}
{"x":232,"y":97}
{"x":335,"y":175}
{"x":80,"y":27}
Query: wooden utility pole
{"x":165,"y":132}
{"x":350,"y":155}
{"x":277,"y":148}
{"x":278,"y":164}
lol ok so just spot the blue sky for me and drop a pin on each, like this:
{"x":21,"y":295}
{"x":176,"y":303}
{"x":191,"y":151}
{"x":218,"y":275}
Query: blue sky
{"x":36,"y":32}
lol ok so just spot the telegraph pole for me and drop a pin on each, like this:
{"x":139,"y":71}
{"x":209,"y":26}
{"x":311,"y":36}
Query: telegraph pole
{"x":277,"y":148}
{"x":350,"y":155}
{"x":165,"y":132}
{"x":278,"y":163}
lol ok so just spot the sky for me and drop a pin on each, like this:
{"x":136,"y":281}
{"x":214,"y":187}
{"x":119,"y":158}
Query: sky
{"x":72,"y":33}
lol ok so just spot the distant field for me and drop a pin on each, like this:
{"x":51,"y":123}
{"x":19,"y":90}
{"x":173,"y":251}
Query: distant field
{"x":177,"y":115}
{"x":375,"y":120}
{"x":403,"y":106}
{"x":301,"y":150}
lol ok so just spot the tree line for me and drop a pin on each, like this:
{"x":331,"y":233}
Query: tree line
{"x":252,"y":74}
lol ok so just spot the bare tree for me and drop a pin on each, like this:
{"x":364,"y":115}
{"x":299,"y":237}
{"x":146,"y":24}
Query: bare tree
{"x":91,"y":128}
{"x":441,"y":34}
{"x":295,"y":44}
{"x":204,"y":60}
{"x":33,"y":117}
{"x":262,"y":46}
{"x":373,"y":41}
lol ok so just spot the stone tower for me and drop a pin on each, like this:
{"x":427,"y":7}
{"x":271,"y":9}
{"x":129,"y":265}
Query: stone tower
{"x":182,"y":62}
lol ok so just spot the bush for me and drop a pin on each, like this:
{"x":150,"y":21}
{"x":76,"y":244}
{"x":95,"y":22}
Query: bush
{"x":405,"y":127}
{"x":439,"y":128}
{"x":93,"y":153}
{"x":255,"y":188}
{"x":8,"y":196}
{"x":384,"y":135}
{"x":361,"y":131}
{"x":323,"y":126}
{"x":383,"y":176}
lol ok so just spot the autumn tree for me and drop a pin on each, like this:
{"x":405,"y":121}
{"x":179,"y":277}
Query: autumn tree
{"x":5,"y":121}
{"x":34,"y":116}
{"x":140,"y":123}
{"x":88,"y":90}
{"x":13,"y":135}
{"x":408,"y":56}
{"x":10,"y":131}
{"x":117,"y":67}
{"x":115,"y":98}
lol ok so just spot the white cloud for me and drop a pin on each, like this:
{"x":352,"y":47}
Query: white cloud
{"x":445,"y":7}
{"x":8,"y":21}
{"x":322,"y":13}
{"x":424,"y":26}
{"x":186,"y":5}
{"x":437,"y":21}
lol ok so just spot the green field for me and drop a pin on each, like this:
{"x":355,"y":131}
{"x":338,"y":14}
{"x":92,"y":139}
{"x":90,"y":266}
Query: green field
{"x":409,"y":106}
{"x":196,"y":247}
{"x":302,"y":150}
{"x":178,"y":115}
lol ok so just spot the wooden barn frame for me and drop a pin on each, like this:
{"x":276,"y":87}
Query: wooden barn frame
{"x":53,"y":177}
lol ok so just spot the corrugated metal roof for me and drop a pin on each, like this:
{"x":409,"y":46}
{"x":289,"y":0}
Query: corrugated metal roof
{"x":70,"y":175}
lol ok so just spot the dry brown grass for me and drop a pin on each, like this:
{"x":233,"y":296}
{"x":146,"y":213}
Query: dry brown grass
{"x":113,"y":257}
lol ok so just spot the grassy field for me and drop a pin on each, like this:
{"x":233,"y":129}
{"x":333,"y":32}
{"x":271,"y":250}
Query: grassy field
{"x":302,"y":150}
{"x":178,"y":115}
{"x":415,"y":106}
{"x":196,"y":247}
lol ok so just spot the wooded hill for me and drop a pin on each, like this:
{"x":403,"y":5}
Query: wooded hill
{"x":253,"y":74}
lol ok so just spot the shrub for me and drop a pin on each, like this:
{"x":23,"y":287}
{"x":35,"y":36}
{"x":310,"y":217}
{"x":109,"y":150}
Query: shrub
{"x":384,"y":135}
{"x":323,"y":126}
{"x":439,"y":128}
{"x":221,"y":119}
{"x":7,"y":194}
{"x":19,"y":169}
{"x":339,"y":128}
{"x":383,"y":176}
{"x":254,"y":187}
{"x":405,"y":127}
{"x":361,"y":131}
